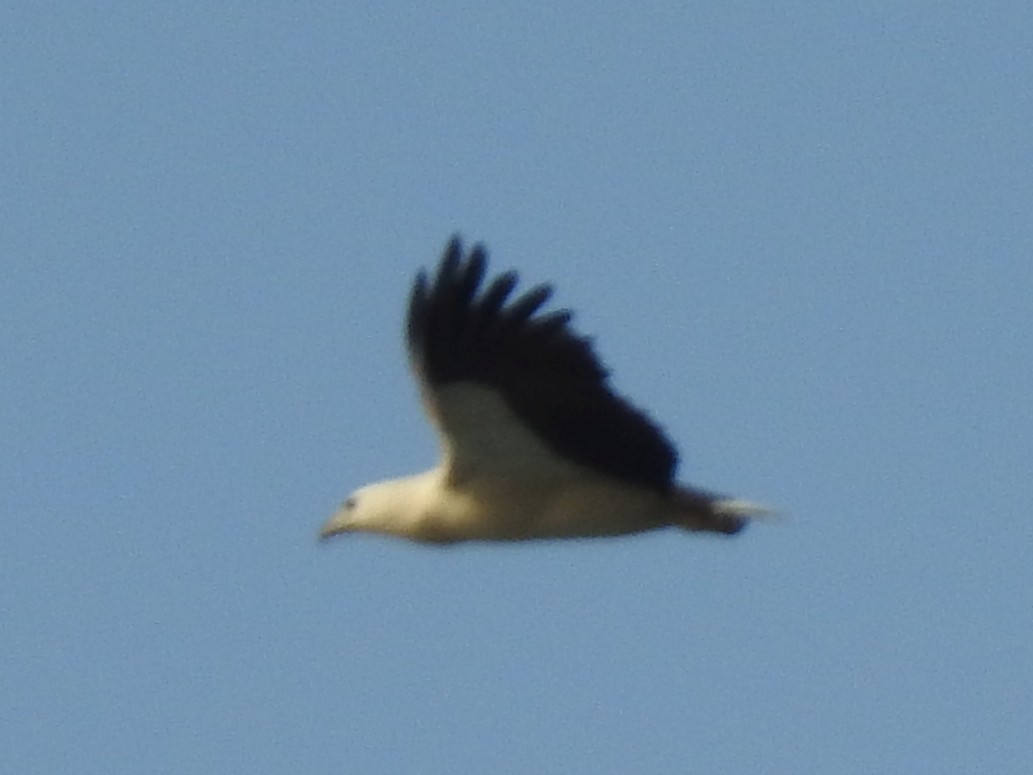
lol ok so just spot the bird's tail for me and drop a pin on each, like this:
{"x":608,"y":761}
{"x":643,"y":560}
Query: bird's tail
{"x":702,"y":511}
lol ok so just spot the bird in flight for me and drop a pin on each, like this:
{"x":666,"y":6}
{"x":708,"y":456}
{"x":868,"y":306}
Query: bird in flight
{"x":535,"y":443}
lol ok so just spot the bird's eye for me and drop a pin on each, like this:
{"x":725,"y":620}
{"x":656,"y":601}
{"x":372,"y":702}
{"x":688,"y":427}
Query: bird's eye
{"x":350,"y":503}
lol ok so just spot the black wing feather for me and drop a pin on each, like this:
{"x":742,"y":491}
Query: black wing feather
{"x":548,"y":374}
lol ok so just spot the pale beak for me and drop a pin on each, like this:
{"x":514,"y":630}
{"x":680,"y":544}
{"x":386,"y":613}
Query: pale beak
{"x":336,"y":525}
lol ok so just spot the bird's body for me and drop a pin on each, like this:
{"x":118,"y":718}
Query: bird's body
{"x":532,"y":497}
{"x":534,"y":442}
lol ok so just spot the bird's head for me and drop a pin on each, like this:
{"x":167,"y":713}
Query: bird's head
{"x":388,"y":508}
{"x":361,"y":511}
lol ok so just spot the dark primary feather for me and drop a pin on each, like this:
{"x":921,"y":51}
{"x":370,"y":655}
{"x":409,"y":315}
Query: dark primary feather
{"x":548,"y":374}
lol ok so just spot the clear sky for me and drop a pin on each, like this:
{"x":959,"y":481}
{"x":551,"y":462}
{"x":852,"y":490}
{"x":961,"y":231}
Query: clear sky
{"x":802,"y":235}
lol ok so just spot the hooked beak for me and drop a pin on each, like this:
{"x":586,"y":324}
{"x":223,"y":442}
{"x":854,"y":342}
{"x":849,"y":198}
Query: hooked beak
{"x":336,"y":525}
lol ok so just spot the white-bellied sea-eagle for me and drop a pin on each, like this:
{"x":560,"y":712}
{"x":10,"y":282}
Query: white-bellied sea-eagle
{"x":534,"y":442}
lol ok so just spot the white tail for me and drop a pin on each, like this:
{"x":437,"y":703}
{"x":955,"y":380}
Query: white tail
{"x":701,"y":511}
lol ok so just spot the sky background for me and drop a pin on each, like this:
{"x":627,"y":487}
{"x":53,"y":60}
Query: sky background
{"x":802,"y":235}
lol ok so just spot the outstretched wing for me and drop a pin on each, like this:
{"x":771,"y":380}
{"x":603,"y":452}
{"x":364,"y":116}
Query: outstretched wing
{"x":501,"y":381}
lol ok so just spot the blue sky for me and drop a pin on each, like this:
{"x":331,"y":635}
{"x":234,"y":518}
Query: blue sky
{"x":802,"y":235}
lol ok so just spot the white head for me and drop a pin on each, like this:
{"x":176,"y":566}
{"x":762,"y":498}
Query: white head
{"x":396,"y":507}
